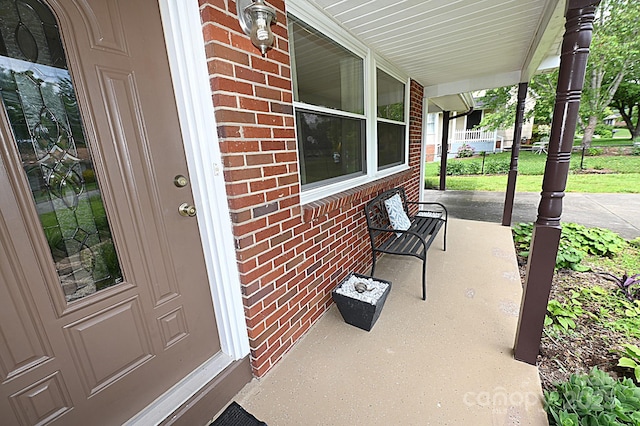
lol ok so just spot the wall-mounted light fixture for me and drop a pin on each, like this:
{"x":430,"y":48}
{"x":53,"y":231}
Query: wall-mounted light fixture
{"x":255,"y":19}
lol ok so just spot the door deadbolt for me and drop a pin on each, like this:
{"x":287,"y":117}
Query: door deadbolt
{"x":180,"y":181}
{"x":187,"y":210}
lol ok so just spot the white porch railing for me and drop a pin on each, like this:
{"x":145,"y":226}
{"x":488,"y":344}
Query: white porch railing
{"x":480,"y":140}
{"x":475,"y":135}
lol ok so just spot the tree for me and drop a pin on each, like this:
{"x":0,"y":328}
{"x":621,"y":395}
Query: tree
{"x":501,"y":102}
{"x":615,"y":48}
{"x":627,"y":102}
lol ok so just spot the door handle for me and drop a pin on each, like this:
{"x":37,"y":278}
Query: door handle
{"x":187,"y":210}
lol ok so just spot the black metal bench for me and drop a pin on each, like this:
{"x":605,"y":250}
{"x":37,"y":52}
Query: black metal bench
{"x":416,"y":240}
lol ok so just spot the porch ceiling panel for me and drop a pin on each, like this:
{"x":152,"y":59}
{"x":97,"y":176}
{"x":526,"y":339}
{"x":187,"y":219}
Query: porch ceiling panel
{"x":451,"y":46}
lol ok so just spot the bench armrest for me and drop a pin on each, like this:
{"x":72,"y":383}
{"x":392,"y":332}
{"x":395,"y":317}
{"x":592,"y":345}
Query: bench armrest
{"x":431,"y":203}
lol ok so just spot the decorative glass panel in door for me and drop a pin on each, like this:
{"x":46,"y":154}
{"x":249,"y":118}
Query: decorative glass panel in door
{"x":40,"y":103}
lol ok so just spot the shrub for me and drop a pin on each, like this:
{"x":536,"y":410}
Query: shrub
{"x":593,"y":399}
{"x":455,"y":168}
{"x":465,"y":150}
{"x":473,"y":168}
{"x":636,"y":150}
{"x":576,"y":241}
{"x":539,"y":131}
{"x":605,"y":131}
{"x":496,"y":167}
{"x":592,"y":152}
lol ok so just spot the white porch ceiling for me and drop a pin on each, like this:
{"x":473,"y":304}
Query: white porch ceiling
{"x":456,"y":46}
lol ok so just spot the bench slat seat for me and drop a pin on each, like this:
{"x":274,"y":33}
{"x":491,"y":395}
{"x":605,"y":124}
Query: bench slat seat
{"x":416,"y":240}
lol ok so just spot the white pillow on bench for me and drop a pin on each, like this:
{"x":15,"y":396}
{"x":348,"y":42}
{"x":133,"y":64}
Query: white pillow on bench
{"x":397,"y":216}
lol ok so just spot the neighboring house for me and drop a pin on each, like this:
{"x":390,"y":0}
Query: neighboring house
{"x":176,"y":226}
{"x":611,"y":120}
{"x":462,"y":130}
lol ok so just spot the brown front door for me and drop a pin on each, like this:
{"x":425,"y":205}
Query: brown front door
{"x":104,"y":297}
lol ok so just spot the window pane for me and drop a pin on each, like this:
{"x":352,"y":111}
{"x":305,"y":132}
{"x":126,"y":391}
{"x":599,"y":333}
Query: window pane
{"x":40,"y":102}
{"x":391,"y":144}
{"x":431,"y":124}
{"x":474,"y":119}
{"x":390,"y":97}
{"x":330,"y":146}
{"x":325,"y":73}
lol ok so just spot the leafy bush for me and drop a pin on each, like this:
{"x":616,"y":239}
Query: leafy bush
{"x":597,"y":241}
{"x":474,"y":168}
{"x":593,"y":399}
{"x":593,"y":152}
{"x":631,"y":360}
{"x":496,"y":167}
{"x":465,"y":150}
{"x":560,"y":316}
{"x":455,"y":168}
{"x":570,"y":257}
{"x":539,"y":131}
{"x":576,"y":241}
{"x":636,"y":150}
{"x":604,"y":131}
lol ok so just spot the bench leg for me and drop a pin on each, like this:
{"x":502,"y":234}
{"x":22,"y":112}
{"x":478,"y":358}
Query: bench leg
{"x":373,"y":265}
{"x":445,"y":235}
{"x":424,"y":278}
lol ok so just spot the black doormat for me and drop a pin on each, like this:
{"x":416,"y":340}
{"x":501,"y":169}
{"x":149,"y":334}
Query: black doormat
{"x":235,"y":415}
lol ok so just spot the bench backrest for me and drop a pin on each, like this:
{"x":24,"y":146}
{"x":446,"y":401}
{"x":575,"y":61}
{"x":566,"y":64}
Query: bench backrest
{"x":376,"y":212}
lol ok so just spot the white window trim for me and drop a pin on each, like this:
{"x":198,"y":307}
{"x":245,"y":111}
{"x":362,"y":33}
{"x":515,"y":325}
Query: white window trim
{"x":316,"y":18}
{"x":385,"y":66}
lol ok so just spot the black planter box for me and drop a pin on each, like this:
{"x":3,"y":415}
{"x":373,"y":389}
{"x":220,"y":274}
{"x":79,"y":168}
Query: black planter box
{"x":356,"y":312}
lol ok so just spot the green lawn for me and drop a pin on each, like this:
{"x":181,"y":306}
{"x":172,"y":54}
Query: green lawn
{"x":628,"y":183}
{"x":623,"y":174}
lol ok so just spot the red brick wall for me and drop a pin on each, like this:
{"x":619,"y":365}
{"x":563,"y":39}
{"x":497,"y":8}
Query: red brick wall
{"x":430,"y":153}
{"x":289,"y":256}
{"x":415,"y":140}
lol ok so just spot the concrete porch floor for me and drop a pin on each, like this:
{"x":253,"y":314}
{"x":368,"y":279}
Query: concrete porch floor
{"x":446,"y":361}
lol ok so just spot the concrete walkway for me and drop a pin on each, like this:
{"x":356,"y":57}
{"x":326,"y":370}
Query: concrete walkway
{"x":444,"y":361}
{"x":617,"y":212}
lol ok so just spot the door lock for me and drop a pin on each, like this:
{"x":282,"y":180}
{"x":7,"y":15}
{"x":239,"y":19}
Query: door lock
{"x":187,"y":210}
{"x":180,"y":181}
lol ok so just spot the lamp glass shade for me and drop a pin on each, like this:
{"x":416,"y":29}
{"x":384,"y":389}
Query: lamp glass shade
{"x":256,"y":19}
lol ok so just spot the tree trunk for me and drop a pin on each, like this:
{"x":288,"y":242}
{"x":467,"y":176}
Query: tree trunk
{"x":589,"y":131}
{"x":635,"y":130}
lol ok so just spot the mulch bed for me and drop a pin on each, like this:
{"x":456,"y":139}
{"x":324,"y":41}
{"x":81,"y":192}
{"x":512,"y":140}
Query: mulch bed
{"x":588,"y":346}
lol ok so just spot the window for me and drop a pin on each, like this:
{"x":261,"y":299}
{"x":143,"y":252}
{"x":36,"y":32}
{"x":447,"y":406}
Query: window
{"x":40,"y":104}
{"x":431,"y":124}
{"x":330,"y":121}
{"x":474,"y":119}
{"x":350,"y":115}
{"x":330,"y":146}
{"x":391,"y":126}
